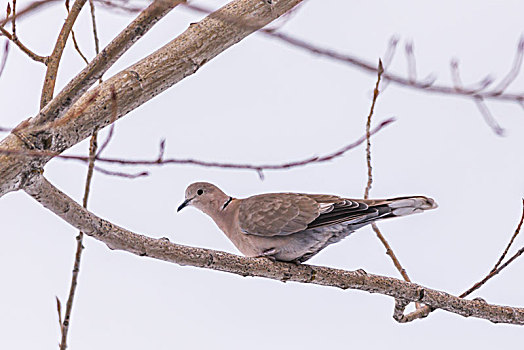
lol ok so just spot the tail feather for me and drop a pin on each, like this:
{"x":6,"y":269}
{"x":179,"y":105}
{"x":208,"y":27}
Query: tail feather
{"x":410,"y":205}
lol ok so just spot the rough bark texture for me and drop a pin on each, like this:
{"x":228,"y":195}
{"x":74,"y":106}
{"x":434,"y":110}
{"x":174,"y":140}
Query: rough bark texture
{"x":137,"y":84}
{"x":105,"y":59}
{"x":118,"y":238}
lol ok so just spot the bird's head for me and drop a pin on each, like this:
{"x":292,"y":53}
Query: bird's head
{"x":205,"y":197}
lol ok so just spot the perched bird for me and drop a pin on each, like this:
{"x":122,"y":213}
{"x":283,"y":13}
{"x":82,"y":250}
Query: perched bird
{"x":293,"y":226}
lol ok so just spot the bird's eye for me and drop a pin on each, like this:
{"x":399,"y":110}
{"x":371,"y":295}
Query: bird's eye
{"x":200,"y":192}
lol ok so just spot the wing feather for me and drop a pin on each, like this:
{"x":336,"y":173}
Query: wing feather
{"x":277,"y":214}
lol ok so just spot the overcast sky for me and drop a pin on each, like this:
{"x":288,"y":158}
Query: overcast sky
{"x":263,"y":101}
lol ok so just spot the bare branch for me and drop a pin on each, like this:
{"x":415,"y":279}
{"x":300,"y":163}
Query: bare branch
{"x":389,"y":250}
{"x":368,"y":130}
{"x":13,"y":19}
{"x":426,"y":85}
{"x":54,"y":59}
{"x":103,"y":61}
{"x":426,"y":310}
{"x":118,"y":238}
{"x":77,"y":47}
{"x":390,"y":52}
{"x":514,"y":71}
{"x":455,"y":74}
{"x":79,"y":246}
{"x":59,"y":310}
{"x":121,"y":174}
{"x":4,"y":57}
{"x":497,"y":268}
{"x":137,"y":84}
{"x":93,"y":23}
{"x":511,"y":241}
{"x":73,"y":36}
{"x":14,"y":38}
{"x":46,"y":155}
{"x":488,"y":117}
{"x":412,"y":63}
{"x":22,"y":47}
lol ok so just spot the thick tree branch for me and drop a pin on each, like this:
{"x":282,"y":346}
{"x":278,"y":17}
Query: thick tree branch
{"x":118,"y":238}
{"x":136,"y":85}
{"x":105,"y":59}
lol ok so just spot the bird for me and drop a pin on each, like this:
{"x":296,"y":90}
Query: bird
{"x":293,"y":227}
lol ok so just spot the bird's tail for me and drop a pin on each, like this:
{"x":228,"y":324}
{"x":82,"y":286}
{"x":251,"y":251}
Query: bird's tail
{"x":403,"y":206}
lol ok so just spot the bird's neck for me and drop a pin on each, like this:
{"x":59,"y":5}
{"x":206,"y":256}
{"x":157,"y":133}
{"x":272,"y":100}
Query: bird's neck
{"x":226,"y":216}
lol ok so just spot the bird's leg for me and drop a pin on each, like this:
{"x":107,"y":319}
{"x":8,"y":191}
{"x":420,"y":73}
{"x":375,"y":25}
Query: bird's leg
{"x":269,"y":254}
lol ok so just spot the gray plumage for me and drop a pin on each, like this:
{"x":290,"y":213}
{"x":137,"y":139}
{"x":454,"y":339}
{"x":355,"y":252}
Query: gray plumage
{"x":293,"y":226}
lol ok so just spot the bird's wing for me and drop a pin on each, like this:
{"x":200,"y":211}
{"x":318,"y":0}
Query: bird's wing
{"x":351,"y":211}
{"x":277,"y":214}
{"x":280,"y":214}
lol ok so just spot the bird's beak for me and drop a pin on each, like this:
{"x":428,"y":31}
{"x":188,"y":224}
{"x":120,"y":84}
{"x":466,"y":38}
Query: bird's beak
{"x":184,"y":204}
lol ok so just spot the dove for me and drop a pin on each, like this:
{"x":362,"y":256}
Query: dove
{"x":293,"y":227}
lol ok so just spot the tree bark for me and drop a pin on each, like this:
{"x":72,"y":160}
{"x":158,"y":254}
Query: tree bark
{"x":116,"y":237}
{"x":136,"y":85}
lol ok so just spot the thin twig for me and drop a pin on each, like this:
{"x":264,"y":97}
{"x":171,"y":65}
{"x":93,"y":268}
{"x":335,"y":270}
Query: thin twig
{"x":497,"y":268}
{"x":79,"y":244}
{"x":13,"y":22}
{"x":8,"y":11}
{"x":93,"y":23}
{"x":73,"y":36}
{"x":4,"y":57}
{"x":28,"y":9}
{"x":389,"y":251}
{"x":412,"y":63}
{"x":14,"y":38}
{"x":379,"y":234}
{"x":425,"y":85}
{"x":211,"y":164}
{"x":515,"y":234}
{"x":121,"y":174}
{"x":488,"y":117}
{"x":22,"y":47}
{"x":426,"y":310}
{"x":93,"y":145}
{"x":514,"y":71}
{"x":368,"y":128}
{"x":390,"y":52}
{"x":455,"y":74}
{"x":59,"y":310}
{"x":54,"y":59}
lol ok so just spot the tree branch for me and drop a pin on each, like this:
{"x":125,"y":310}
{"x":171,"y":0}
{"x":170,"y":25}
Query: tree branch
{"x":22,"y":47}
{"x":136,"y":85}
{"x":54,"y":59}
{"x":104,"y":60}
{"x":160,"y":160}
{"x":425,"y":85}
{"x":118,"y":238}
{"x":64,"y":326}
{"x":28,"y":9}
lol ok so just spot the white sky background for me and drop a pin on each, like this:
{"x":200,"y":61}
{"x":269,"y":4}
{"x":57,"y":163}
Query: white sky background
{"x":262,"y":101}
